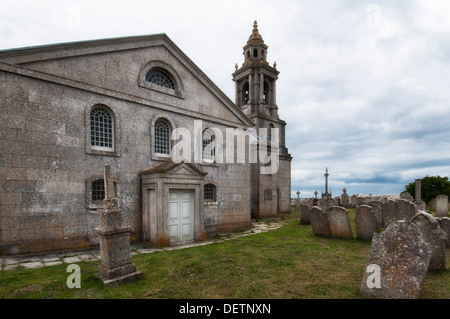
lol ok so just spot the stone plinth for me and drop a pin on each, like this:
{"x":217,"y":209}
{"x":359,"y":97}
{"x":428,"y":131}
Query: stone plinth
{"x":114,"y":236}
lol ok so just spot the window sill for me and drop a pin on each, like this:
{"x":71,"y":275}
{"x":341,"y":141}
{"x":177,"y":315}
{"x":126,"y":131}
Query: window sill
{"x":207,"y":203}
{"x":103,"y":153}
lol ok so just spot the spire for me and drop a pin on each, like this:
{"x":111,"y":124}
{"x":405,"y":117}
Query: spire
{"x":255,"y":37}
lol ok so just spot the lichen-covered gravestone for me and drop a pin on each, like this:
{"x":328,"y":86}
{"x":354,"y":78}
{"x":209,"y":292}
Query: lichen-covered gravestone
{"x":442,"y":205}
{"x":319,"y":222}
{"x":339,"y":223}
{"x":397,"y":264}
{"x":305,"y":215}
{"x":445,"y":225}
{"x":434,"y":237}
{"x":116,"y":266}
{"x":366,"y":223}
{"x":376,"y":208}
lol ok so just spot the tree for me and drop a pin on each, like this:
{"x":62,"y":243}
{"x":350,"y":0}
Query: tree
{"x":432,"y":186}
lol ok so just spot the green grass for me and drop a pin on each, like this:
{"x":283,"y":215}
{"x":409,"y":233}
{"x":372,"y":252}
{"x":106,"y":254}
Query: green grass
{"x":288,"y":263}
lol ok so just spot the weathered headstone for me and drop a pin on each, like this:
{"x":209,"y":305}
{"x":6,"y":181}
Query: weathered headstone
{"x":345,"y":199}
{"x":339,"y":223}
{"x":366,"y":223}
{"x":407,"y":196}
{"x":327,"y":203}
{"x":114,"y":235}
{"x":389,"y":212}
{"x":444,"y":222}
{"x":376,"y":208}
{"x":434,"y":237}
{"x":405,"y":210}
{"x":319,"y":222}
{"x":432,"y":204}
{"x":397,"y":264}
{"x":305,"y":215}
{"x":442,"y":205}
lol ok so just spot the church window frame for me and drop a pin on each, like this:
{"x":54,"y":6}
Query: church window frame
{"x":162,"y":137}
{"x":94,"y":130}
{"x":209,"y":193}
{"x":208,"y":146}
{"x":101,"y":129}
{"x":160,"y":76}
{"x":95,"y":191}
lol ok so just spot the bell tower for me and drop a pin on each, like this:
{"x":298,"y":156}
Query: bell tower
{"x":255,"y":83}
{"x":256,"y":80}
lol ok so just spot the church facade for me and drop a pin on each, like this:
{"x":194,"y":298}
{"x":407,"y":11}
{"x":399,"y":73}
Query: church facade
{"x":66,"y":110}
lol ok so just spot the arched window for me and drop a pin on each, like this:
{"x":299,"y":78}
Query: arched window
{"x":266,"y":93}
{"x":269,"y":133}
{"x":245,"y":93}
{"x":102,"y":129}
{"x":160,"y":77}
{"x":208,"y":145}
{"x":210,"y":193}
{"x":162,"y":137}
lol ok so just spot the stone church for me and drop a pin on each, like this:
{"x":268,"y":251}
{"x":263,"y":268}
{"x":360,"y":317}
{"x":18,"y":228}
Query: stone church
{"x":67,"y":110}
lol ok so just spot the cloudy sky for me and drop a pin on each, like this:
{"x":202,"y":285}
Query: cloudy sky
{"x":363,"y":85}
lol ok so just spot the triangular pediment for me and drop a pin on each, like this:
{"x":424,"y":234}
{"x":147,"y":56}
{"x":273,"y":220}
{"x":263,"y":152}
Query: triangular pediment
{"x":181,"y":168}
{"x":117,"y":65}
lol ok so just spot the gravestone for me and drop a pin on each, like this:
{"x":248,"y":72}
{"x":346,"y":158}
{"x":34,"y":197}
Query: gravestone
{"x":444,"y":222}
{"x":432,"y":204}
{"x":389,"y":212}
{"x":114,"y":235}
{"x":305,"y":215}
{"x":407,"y":196}
{"x":405,"y":210}
{"x":345,"y":199}
{"x":366,"y":223}
{"x":397,"y":263}
{"x":376,"y":208}
{"x":434,"y":237}
{"x":327,"y":203}
{"x":319,"y":222}
{"x":339,"y":223}
{"x":441,"y":205}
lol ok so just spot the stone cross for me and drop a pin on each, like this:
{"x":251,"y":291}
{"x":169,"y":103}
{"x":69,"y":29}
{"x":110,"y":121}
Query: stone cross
{"x":114,"y":237}
{"x":316,"y":193}
{"x":110,"y":190}
{"x":298,"y":194}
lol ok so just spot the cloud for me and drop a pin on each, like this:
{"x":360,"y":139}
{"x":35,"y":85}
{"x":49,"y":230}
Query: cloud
{"x":363,"y":85}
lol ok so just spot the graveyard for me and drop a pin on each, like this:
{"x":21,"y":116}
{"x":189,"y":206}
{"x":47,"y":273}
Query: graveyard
{"x":289,"y":262}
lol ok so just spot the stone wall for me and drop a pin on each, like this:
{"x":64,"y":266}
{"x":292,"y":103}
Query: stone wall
{"x":44,"y":167}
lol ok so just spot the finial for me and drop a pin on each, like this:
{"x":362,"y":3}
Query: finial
{"x":255,"y":24}
{"x":236,"y":67}
{"x":275,"y":64}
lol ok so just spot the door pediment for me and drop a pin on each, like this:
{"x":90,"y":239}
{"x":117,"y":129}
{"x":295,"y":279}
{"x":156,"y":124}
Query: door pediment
{"x":172,"y":168}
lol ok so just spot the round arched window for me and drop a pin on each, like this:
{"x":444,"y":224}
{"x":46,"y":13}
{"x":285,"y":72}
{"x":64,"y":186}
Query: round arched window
{"x":160,"y":77}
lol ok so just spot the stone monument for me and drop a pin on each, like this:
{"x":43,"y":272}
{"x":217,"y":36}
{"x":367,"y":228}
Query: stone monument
{"x":397,"y":264}
{"x":442,"y":205}
{"x":434,"y":236}
{"x":116,"y":266}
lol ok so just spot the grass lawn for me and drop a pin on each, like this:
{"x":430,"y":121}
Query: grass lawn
{"x":287,"y":263}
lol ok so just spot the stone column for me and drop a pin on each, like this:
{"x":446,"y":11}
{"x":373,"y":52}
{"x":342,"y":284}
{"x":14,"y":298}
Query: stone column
{"x":114,"y":235}
{"x":418,"y":190}
{"x":418,"y":200}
